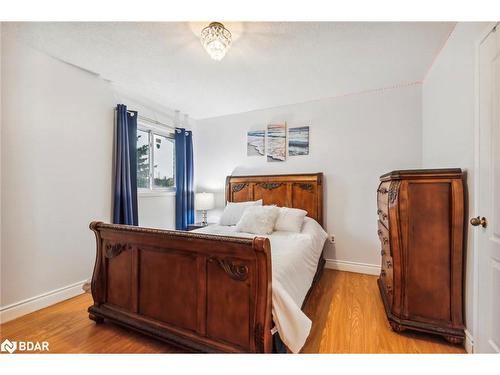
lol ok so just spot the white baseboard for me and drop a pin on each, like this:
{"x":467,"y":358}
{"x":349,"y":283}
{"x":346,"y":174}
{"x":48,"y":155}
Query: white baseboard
{"x":344,"y":265}
{"x":29,"y":305}
{"x":469,"y":342}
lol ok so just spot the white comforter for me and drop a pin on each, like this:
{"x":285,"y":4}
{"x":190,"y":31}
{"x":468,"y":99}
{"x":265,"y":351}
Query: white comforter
{"x":294,"y":259}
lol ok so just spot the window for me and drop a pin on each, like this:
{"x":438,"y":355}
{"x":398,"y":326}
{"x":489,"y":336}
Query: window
{"x":143,"y":159}
{"x":155,"y":160}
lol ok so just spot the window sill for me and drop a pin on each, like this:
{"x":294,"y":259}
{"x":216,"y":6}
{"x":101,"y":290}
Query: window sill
{"x":152,"y":193}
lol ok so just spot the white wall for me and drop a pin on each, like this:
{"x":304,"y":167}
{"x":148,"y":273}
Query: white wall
{"x":0,"y":153}
{"x":56,"y":171}
{"x":56,"y":164}
{"x":353,"y":140}
{"x":448,"y":100}
{"x":157,"y":210}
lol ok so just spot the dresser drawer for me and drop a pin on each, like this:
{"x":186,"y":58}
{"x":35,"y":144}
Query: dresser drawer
{"x":387,"y":277}
{"x":383,"y":215}
{"x":383,"y":235}
{"x":387,"y":267}
{"x":383,"y":194}
{"x":383,"y":203}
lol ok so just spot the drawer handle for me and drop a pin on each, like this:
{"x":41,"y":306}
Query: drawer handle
{"x":382,"y":190}
{"x":389,"y":264}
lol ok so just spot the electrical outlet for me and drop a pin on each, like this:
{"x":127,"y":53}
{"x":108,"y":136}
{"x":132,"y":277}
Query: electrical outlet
{"x":332,"y":238}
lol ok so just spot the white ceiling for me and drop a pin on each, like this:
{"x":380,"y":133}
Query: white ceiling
{"x":269,"y":64}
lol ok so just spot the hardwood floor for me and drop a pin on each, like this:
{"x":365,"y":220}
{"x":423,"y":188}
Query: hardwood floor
{"x":346,"y":310}
{"x":348,"y":317}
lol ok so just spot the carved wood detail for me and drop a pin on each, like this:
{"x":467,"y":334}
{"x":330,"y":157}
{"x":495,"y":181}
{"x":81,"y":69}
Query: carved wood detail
{"x":238,"y":187}
{"x":113,"y":250}
{"x":393,"y":191}
{"x":270,"y":185}
{"x":238,"y":272}
{"x":307,"y":187}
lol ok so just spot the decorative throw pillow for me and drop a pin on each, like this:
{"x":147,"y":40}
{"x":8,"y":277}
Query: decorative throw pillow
{"x":258,"y":220}
{"x":233,"y":211}
{"x":290,"y":219}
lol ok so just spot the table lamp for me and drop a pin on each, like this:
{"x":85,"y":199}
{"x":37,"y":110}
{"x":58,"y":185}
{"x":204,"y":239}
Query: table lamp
{"x":204,"y":202}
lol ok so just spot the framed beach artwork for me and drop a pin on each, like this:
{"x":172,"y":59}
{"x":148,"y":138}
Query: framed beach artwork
{"x":256,"y":142}
{"x":276,"y":142}
{"x":298,"y":141}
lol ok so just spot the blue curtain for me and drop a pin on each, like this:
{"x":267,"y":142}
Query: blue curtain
{"x":125,"y":202}
{"x":184,"y":197}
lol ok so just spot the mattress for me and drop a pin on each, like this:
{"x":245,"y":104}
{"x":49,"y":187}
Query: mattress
{"x":294,"y":259}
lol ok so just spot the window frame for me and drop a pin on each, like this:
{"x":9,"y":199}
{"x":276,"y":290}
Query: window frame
{"x":164,"y":132}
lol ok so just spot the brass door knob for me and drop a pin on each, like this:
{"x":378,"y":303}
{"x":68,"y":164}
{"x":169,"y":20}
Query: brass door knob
{"x":476,"y":221}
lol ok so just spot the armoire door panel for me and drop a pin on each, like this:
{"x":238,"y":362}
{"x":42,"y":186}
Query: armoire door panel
{"x":428,"y":251}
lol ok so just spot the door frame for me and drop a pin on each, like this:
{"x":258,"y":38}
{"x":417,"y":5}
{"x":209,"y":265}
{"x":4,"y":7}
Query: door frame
{"x":469,"y":340}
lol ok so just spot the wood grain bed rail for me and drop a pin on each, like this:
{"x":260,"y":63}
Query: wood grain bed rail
{"x":201,"y":292}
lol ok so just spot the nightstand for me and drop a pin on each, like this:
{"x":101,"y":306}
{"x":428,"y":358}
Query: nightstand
{"x":196,"y":226}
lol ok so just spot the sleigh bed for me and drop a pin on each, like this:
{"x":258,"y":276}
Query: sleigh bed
{"x":201,"y":292}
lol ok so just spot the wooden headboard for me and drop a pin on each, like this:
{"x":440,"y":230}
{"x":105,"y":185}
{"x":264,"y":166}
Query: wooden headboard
{"x":304,"y":191}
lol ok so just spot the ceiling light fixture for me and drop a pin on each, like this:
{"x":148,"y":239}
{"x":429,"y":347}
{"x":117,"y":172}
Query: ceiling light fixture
{"x":216,"y":40}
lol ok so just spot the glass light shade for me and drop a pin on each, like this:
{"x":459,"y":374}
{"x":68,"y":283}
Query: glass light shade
{"x":216,"y":40}
{"x":204,"y":201}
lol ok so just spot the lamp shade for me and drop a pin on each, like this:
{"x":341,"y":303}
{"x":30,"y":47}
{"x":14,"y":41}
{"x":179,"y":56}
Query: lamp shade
{"x":204,"y":201}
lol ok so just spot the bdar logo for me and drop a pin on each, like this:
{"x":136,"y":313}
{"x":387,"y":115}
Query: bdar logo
{"x":8,"y":346}
{"x":24,"y":346}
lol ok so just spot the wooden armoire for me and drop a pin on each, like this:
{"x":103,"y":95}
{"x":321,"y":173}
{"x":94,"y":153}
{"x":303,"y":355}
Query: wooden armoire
{"x":421,"y":230}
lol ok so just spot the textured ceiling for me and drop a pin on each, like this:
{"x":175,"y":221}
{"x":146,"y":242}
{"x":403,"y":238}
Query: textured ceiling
{"x":269,"y":64}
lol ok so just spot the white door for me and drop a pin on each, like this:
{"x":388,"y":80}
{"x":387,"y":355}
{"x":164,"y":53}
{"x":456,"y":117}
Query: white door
{"x":488,"y":230}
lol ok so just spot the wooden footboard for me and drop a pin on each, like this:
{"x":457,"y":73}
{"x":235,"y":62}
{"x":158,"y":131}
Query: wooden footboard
{"x":201,"y":292}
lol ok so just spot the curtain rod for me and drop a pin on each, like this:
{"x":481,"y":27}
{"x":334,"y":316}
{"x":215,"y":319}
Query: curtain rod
{"x":150,"y":120}
{"x":154,"y":121}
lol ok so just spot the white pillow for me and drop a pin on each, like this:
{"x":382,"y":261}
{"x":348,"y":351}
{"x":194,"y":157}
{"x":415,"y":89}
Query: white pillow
{"x":233,"y":211}
{"x":290,"y":219}
{"x":258,"y":220}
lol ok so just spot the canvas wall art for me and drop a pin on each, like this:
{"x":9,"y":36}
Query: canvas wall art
{"x":276,"y":142}
{"x":256,"y":142}
{"x":298,"y":141}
